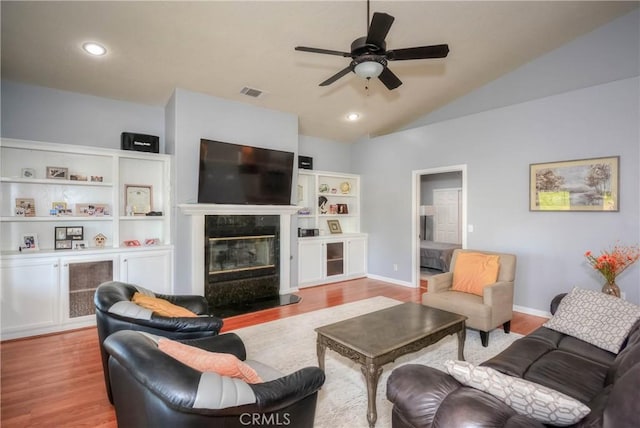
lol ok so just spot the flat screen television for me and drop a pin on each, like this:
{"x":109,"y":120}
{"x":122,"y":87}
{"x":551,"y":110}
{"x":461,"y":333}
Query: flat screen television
{"x":244,"y":175}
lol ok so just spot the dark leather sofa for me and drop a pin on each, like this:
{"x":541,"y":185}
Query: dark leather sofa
{"x":151,"y":389}
{"x":608,"y":384}
{"x":115,"y":312}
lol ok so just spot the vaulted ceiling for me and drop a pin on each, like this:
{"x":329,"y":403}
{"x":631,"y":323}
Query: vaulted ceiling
{"x":219,"y":47}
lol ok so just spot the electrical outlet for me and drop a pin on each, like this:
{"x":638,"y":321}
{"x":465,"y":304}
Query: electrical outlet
{"x":395,"y":267}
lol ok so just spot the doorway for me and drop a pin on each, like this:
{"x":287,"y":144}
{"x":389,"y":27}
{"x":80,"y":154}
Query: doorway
{"x":439,"y":210}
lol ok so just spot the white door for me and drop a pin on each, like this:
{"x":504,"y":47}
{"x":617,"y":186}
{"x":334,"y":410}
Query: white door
{"x":446,"y":220}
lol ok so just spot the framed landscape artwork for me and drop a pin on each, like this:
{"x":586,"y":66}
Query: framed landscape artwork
{"x":575,"y":185}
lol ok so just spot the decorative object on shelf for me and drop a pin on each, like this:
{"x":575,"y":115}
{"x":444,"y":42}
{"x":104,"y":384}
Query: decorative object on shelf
{"x":612,"y":263}
{"x":138,"y":198}
{"x":333,"y":209}
{"x":324,"y":188}
{"x":29,"y":242}
{"x":100,"y":240}
{"x":96,"y":178}
{"x":345,"y":187}
{"x":576,"y":185}
{"x":334,"y":190}
{"x":25,"y":207}
{"x":58,"y":172}
{"x":334,"y":226}
{"x":152,"y":241}
{"x":28,"y":173}
{"x":132,"y":243}
{"x":154,"y":214}
{"x":77,"y":177}
{"x":322,"y":204}
{"x":304,"y":211}
{"x":343,"y":209}
{"x":66,"y":237}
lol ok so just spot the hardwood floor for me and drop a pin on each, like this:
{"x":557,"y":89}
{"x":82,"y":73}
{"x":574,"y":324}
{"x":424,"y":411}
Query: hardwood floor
{"x":56,"y":380}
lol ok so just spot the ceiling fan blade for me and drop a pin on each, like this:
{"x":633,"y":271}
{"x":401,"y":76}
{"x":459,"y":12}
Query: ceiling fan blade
{"x":336,"y":76}
{"x":422,"y":52}
{"x":322,"y":51}
{"x":380,"y":25}
{"x":389,"y":79}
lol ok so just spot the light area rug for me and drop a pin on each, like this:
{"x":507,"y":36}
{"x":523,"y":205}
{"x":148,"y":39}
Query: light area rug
{"x":289,"y":344}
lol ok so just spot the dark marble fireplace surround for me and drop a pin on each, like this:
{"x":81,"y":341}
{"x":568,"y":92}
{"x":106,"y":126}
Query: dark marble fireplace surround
{"x":242,"y":263}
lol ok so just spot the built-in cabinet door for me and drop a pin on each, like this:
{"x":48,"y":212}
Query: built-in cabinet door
{"x":81,"y":276}
{"x":30,"y":289}
{"x":149,"y":269}
{"x":334,"y":259}
{"x":357,"y":257}
{"x":310,"y":262}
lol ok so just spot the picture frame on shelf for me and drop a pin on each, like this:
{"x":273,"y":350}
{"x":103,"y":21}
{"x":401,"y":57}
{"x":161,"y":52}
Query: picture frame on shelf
{"x":25,"y":207}
{"x":66,"y":244}
{"x":75,"y":233}
{"x":58,"y":172}
{"x":334,"y":226}
{"x":132,"y":243}
{"x":343,"y":209}
{"x":93,"y":210}
{"x":78,"y":177}
{"x":138,"y":199}
{"x":66,"y":237}
{"x":29,"y":242}
{"x":80,"y":245}
{"x":28,"y":173}
{"x":58,"y":208}
{"x":575,"y":185}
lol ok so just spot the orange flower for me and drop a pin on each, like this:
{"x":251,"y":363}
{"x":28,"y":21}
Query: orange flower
{"x":611,"y":264}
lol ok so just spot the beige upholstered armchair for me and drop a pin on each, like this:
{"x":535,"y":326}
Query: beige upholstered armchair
{"x":493,"y":302}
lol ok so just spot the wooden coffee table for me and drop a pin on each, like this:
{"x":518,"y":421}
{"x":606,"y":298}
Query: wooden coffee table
{"x":378,"y":338}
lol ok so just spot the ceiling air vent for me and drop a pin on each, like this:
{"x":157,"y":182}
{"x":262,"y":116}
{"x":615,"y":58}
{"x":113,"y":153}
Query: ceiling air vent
{"x":251,"y":92}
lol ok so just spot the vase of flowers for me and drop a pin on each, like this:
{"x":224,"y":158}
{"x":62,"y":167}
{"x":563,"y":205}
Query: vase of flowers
{"x":612,"y":263}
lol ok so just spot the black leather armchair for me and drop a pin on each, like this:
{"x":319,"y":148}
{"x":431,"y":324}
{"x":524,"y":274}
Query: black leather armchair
{"x":115,"y":311}
{"x":152,"y":389}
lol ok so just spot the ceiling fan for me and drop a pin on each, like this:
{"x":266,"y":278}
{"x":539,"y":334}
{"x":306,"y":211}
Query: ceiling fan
{"x":369,"y":55}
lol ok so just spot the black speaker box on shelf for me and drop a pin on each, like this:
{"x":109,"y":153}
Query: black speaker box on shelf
{"x":140,"y":142}
{"x":305,"y":162}
{"x":308,"y":232}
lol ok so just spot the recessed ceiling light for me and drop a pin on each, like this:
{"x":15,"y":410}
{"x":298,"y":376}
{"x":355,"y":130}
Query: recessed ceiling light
{"x":353,"y":117}
{"x":94,"y":49}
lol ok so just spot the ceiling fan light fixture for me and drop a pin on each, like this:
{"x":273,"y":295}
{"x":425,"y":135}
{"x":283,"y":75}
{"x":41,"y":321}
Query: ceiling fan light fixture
{"x":369,"y":69}
{"x":94,"y":48}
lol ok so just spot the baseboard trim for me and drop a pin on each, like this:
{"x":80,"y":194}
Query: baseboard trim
{"x":391,"y":280}
{"x":531,"y":311}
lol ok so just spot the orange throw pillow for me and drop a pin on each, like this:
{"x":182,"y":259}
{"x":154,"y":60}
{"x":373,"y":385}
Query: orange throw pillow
{"x":474,"y":271}
{"x":160,"y":306}
{"x":224,"y":364}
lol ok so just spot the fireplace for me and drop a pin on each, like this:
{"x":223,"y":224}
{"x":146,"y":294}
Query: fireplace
{"x":254,"y":276}
{"x":242,"y":255}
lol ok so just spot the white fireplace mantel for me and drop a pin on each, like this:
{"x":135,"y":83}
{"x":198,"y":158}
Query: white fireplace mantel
{"x":197,"y":212}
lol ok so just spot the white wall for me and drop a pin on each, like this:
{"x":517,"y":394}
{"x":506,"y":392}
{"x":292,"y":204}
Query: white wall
{"x":497,"y":146}
{"x":44,"y":114}
{"x":191,"y":116}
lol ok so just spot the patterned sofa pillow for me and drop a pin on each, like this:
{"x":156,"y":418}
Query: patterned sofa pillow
{"x":597,"y":318}
{"x":526,"y":398}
